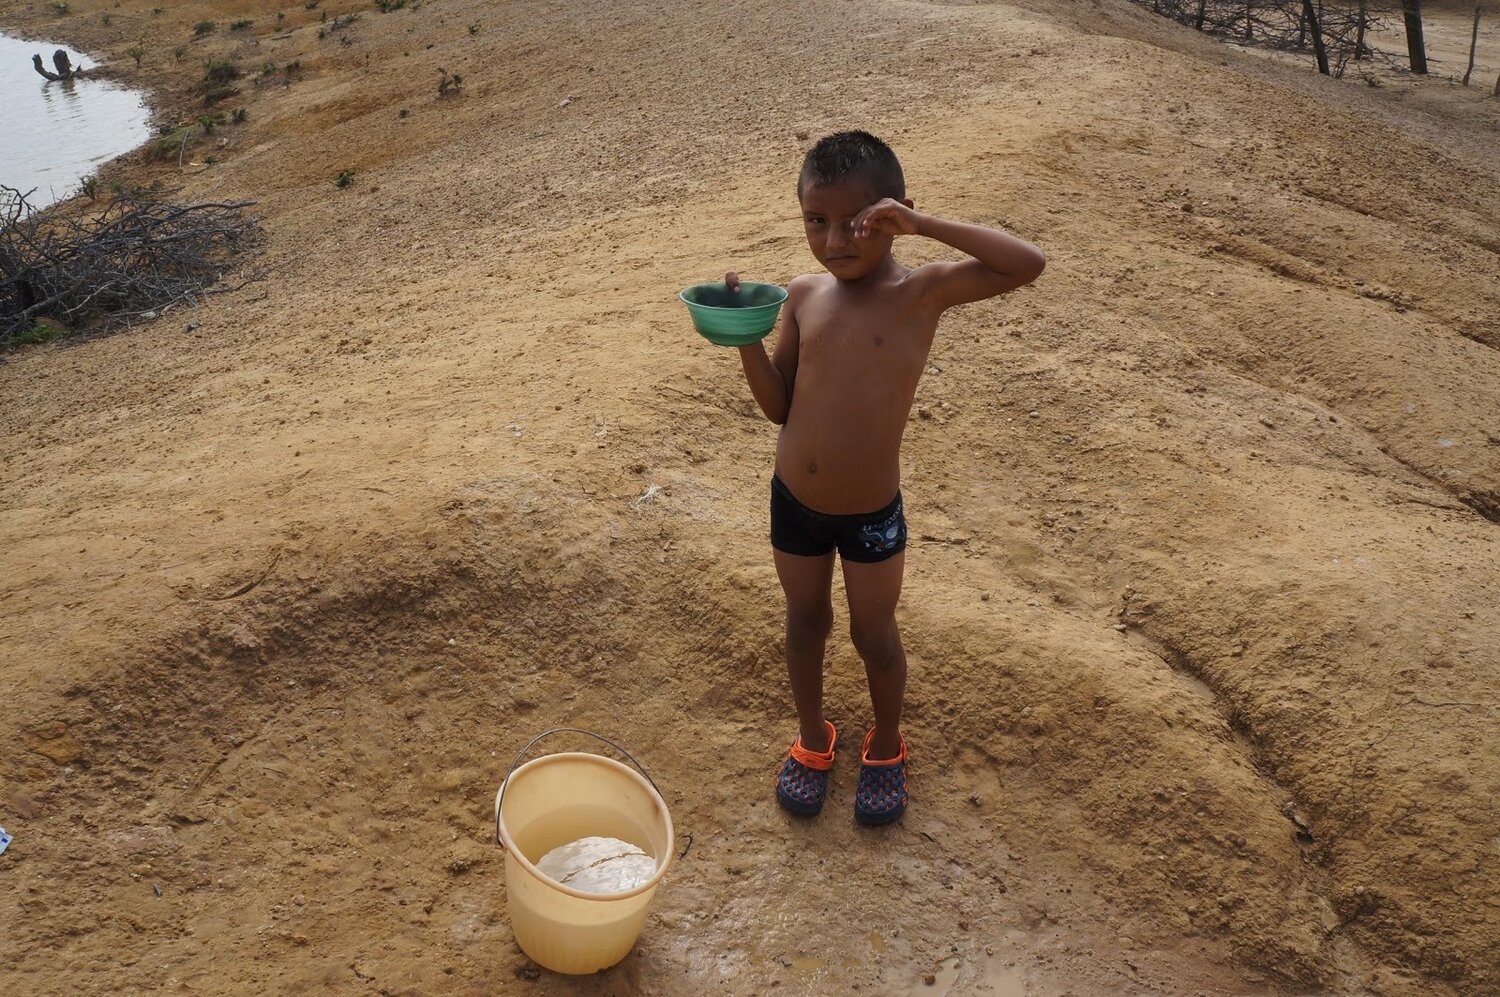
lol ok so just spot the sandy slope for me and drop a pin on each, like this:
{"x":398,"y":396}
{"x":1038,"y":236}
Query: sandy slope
{"x":283,"y":592}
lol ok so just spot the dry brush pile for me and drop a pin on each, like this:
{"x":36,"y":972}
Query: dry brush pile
{"x":130,"y":260}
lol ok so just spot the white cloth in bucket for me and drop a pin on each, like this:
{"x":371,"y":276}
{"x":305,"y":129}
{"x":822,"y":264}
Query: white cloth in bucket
{"x":598,"y":865}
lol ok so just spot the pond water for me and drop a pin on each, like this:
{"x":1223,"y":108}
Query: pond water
{"x":53,"y":133}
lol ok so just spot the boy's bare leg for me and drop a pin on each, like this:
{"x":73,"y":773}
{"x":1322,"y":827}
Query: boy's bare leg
{"x":874,"y":590}
{"x":807,"y":582}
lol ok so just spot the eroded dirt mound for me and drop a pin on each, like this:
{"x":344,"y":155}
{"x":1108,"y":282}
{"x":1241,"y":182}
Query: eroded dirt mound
{"x":1199,"y":602}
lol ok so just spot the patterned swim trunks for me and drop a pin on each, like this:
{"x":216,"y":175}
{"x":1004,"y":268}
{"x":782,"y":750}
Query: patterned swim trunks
{"x":865,"y":538}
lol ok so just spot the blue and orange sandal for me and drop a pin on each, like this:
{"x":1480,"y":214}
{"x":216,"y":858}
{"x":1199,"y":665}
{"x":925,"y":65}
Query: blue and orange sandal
{"x":802,"y":783}
{"x":880,"y":796}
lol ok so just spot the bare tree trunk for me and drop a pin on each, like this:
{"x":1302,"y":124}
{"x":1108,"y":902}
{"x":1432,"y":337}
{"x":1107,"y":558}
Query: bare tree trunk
{"x":1416,"y":48}
{"x":65,"y":70}
{"x":1202,"y":13}
{"x":1473,"y":41}
{"x":1311,"y":16}
{"x":1359,"y":34}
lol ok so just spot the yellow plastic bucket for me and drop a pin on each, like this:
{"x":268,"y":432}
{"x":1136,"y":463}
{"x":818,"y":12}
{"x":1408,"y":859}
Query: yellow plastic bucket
{"x":559,"y":798}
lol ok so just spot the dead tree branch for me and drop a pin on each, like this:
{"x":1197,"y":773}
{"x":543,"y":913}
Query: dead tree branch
{"x":1339,"y":29}
{"x":135,"y":258}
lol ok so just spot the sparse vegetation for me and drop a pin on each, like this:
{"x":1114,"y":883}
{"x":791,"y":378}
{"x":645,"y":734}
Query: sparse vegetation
{"x":295,"y":66}
{"x":449,"y":84}
{"x":37,"y":334}
{"x":386,"y":6}
{"x":59,"y":8}
{"x":105,"y":18}
{"x":267,"y":69}
{"x":203,"y":27}
{"x":170,"y":144}
{"x":89,"y":187}
{"x":240,"y":116}
{"x":208,"y":122}
{"x":178,"y":53}
{"x":241,"y":25}
{"x":156,"y":11}
{"x":311,"y":4}
{"x":217,"y":78}
{"x":343,"y":178}
{"x":473,"y":29}
{"x":137,"y":53}
{"x":220,"y":71}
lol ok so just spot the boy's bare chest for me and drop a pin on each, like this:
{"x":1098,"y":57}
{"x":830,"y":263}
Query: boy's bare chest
{"x":862,"y":335}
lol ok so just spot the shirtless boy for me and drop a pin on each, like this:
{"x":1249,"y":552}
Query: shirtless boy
{"x":840,"y":382}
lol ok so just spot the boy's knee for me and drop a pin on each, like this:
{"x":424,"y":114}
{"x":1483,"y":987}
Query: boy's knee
{"x":806,"y":625}
{"x":878,"y":643}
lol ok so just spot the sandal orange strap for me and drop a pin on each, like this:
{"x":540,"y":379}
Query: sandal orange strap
{"x":864,"y":752}
{"x":820,"y":761}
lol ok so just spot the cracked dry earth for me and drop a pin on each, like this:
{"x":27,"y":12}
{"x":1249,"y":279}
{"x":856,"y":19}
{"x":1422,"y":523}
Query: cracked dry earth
{"x":1201,"y":597}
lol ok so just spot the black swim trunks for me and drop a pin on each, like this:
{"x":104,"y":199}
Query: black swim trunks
{"x":866,"y":538}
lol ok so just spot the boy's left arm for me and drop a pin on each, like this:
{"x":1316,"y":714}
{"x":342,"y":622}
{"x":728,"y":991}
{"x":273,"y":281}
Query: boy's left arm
{"x":998,"y":262}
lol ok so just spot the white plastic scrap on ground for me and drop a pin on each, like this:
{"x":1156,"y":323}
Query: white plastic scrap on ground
{"x":598,"y":865}
{"x":5,"y":840}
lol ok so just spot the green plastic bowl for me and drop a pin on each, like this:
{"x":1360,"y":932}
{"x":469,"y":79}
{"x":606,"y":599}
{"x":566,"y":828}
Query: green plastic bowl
{"x":734,"y":318}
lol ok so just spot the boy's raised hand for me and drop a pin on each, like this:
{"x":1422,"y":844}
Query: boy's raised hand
{"x":886,"y":216}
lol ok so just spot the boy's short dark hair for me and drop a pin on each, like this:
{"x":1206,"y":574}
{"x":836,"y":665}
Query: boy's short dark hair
{"x":842,"y":155}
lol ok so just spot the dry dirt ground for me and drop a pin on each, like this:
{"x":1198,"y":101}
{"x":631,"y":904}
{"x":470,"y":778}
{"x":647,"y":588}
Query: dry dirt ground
{"x":1201,"y":601}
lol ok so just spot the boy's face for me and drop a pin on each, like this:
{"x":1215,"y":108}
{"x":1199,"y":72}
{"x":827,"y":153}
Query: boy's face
{"x":828,"y":213}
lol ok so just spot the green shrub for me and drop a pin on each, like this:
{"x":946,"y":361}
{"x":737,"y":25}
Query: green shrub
{"x":89,"y":187}
{"x":203,"y":27}
{"x":219,"y":71}
{"x":242,"y":25}
{"x":39,"y":333}
{"x":343,"y":178}
{"x":170,"y":144}
{"x":240,"y":116}
{"x":137,"y":53}
{"x":59,"y":8}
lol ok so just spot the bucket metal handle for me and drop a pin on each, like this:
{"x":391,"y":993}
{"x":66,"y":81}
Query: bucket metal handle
{"x":500,"y":799}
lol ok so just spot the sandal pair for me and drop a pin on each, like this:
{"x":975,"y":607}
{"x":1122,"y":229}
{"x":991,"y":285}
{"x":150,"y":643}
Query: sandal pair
{"x":879,"y":797}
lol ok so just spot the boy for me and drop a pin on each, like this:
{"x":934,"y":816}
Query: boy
{"x":852,"y":346}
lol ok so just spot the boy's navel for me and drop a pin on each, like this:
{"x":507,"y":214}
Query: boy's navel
{"x":879,"y":341}
{"x":812,"y":468}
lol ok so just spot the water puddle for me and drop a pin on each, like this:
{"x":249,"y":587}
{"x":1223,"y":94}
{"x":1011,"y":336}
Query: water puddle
{"x":57,"y":132}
